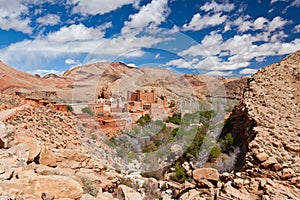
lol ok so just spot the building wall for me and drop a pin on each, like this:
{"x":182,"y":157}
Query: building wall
{"x":60,"y":107}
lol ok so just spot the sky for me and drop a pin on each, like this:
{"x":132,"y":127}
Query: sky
{"x":222,"y":38}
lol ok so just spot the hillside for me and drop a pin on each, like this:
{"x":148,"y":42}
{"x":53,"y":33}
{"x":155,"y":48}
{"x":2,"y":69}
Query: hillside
{"x":266,"y":126}
{"x":12,"y":79}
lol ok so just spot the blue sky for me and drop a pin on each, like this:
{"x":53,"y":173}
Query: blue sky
{"x":227,"y":38}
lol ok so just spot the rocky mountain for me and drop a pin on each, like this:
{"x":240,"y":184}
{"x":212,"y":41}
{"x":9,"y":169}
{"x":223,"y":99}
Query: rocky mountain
{"x":266,"y":126}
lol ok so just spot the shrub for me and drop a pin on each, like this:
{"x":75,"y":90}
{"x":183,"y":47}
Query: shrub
{"x":144,"y":119}
{"x":87,"y":110}
{"x":175,"y":119}
{"x":89,"y":187}
{"x":179,"y":173}
{"x":215,"y":152}
{"x":228,"y":140}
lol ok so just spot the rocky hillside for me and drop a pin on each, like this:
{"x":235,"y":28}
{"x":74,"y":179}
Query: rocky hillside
{"x":266,"y":127}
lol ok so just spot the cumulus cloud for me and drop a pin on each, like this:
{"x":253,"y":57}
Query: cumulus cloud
{"x":73,"y":40}
{"x":94,"y":7}
{"x":215,"y":7}
{"x":49,"y":19}
{"x":199,"y":22}
{"x":150,"y":16}
{"x":244,"y":23}
{"x":75,"y":33}
{"x":248,"y":71}
{"x":12,"y":16}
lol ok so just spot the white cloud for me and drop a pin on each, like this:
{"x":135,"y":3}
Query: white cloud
{"x":75,"y":33}
{"x":180,"y":63}
{"x":219,"y":73}
{"x":277,"y":23}
{"x":260,"y":23}
{"x":248,"y":71}
{"x":244,"y":24}
{"x":199,"y":22}
{"x":11,"y":16}
{"x":296,"y":29}
{"x":150,"y":16}
{"x":49,"y":19}
{"x":94,"y":7}
{"x":215,"y":7}
{"x":71,"y":41}
{"x":70,"y":61}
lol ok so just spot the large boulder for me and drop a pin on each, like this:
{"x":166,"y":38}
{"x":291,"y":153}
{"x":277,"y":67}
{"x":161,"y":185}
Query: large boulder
{"x":206,"y":173}
{"x":37,"y":186}
{"x":58,"y":186}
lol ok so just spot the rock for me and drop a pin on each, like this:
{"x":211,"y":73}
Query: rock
{"x":262,"y":156}
{"x":106,"y":196}
{"x":268,"y":163}
{"x":59,"y":186}
{"x":205,"y":173}
{"x":2,"y":129}
{"x":47,"y":157}
{"x":287,"y":173}
{"x":235,"y":193}
{"x":188,"y":185}
{"x":203,"y":183}
{"x":33,"y":145}
{"x":276,"y":167}
{"x":21,"y":151}
{"x":88,"y":197}
{"x":47,"y":196}
{"x":129,"y":193}
{"x":8,"y":174}
{"x":191,"y":195}
{"x":296,"y":181}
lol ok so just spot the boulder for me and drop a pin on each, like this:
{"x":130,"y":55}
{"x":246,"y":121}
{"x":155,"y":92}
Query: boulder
{"x":270,"y":162}
{"x":232,"y":192}
{"x":206,"y":173}
{"x":59,"y":186}
{"x":129,"y":193}
{"x":47,"y":157}
{"x":287,"y":173}
{"x":33,"y":145}
{"x":262,"y":156}
{"x":191,"y":195}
